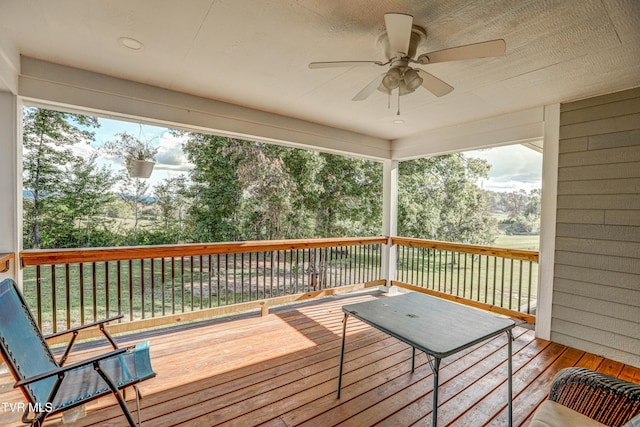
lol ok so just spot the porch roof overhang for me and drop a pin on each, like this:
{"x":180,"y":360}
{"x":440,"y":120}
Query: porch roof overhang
{"x":240,"y":69}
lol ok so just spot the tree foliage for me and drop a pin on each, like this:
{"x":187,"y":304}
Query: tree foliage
{"x":438,"y":199}
{"x":238,"y":190}
{"x":47,"y":139}
{"x":522,"y":210}
{"x":215,"y":189}
{"x":77,"y":212}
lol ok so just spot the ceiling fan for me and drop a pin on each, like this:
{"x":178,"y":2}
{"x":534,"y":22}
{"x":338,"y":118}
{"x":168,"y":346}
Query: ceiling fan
{"x":401,"y":41}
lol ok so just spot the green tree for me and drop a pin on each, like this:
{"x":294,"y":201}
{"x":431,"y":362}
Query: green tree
{"x":47,"y":139}
{"x":215,"y":190}
{"x":524,"y":212}
{"x":134,"y":191}
{"x":532,"y":207}
{"x":350,"y":200}
{"x":172,"y":202}
{"x":77,"y":212}
{"x":515,"y":202}
{"x":438,"y":199}
{"x":267,"y":188}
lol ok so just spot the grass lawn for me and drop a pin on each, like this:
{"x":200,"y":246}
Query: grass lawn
{"x":530,"y":243}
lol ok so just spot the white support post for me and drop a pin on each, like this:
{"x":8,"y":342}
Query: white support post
{"x":389,"y":217}
{"x":546,"y":260}
{"x":9,"y":180}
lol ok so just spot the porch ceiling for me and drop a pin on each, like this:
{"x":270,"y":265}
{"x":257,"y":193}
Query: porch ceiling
{"x":255,"y":54}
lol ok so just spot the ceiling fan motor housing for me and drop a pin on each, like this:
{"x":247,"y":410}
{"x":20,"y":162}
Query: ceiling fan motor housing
{"x":417,"y":42}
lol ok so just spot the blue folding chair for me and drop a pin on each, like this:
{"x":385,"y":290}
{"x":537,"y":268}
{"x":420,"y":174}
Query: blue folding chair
{"x":50,"y":387}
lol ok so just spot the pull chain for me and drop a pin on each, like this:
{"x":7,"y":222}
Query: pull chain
{"x":398,"y":113}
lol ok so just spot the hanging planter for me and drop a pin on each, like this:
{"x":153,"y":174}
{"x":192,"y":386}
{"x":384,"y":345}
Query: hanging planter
{"x":140,"y":168}
{"x":138,"y":154}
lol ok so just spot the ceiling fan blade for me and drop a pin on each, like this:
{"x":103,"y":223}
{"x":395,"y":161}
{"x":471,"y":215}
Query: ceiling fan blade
{"x":399,"y":32}
{"x":434,"y":84}
{"x":471,"y":51}
{"x":335,"y":64}
{"x":369,"y":89}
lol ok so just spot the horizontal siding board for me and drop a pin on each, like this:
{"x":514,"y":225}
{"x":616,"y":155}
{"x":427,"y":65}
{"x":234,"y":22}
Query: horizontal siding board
{"x":623,"y":327}
{"x":580,"y":216}
{"x":596,"y":348}
{"x":603,"y":277}
{"x":600,"y":100}
{"x":600,"y":157}
{"x":592,"y":305}
{"x":600,"y":186}
{"x":573,"y":145}
{"x":596,"y":294}
{"x":617,"y":341}
{"x":614,"y":140}
{"x":603,"y":293}
{"x":598,"y":262}
{"x":603,"y":111}
{"x":622,"y":217}
{"x":608,"y":171}
{"x":602,"y":126}
{"x":599,"y":232}
{"x":599,"y":201}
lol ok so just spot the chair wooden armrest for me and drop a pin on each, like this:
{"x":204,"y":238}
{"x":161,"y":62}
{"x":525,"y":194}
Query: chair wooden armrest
{"x":608,"y":400}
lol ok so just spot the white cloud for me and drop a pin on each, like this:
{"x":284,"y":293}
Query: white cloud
{"x":170,"y":156}
{"x":513,"y":167}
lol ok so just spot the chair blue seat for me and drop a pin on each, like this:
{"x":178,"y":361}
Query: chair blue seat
{"x":47,"y":383}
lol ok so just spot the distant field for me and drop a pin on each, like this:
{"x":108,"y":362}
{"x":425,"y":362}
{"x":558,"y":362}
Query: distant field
{"x":531,"y":243}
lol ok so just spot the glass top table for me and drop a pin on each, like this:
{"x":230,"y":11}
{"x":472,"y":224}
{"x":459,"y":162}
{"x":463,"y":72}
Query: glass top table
{"x":433,"y":325}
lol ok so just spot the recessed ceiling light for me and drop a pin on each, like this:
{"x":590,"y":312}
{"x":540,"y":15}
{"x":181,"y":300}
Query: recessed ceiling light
{"x":398,"y":122}
{"x":130,"y":43}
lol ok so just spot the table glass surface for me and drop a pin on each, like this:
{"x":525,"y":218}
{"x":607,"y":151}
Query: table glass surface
{"x":434,"y":325}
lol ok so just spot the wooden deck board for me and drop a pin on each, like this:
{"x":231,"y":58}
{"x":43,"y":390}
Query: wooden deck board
{"x":281,"y":370}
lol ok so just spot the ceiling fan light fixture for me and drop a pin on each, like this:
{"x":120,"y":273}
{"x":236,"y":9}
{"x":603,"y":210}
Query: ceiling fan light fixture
{"x":403,"y":89}
{"x":412,"y":80}
{"x":392,"y":79}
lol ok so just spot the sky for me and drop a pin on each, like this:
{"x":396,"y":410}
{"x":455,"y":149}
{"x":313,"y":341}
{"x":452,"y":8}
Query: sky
{"x":513,"y":167}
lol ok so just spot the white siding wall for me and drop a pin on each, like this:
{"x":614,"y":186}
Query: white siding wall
{"x":596,"y":299}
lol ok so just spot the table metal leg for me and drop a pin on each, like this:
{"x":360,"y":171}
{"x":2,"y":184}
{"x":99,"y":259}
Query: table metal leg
{"x":435,"y":367}
{"x":413,"y":359}
{"x":510,"y":379}
{"x":344,"y":334}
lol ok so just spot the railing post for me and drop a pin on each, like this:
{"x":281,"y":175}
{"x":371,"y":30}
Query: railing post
{"x":389,"y":218}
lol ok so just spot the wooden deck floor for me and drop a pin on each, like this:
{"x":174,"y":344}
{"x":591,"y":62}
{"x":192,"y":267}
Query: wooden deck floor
{"x":281,"y":370}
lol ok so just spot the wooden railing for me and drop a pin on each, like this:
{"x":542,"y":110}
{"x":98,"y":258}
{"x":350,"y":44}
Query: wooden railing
{"x":501,"y":280}
{"x":5,"y":261}
{"x":156,"y":285}
{"x":153,"y":285}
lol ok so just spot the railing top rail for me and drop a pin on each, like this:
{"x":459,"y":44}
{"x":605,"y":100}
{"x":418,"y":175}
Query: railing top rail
{"x":75,"y":255}
{"x":466,"y":248}
{"x":5,"y":261}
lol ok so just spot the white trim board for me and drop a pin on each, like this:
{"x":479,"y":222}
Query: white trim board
{"x":512,"y":128}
